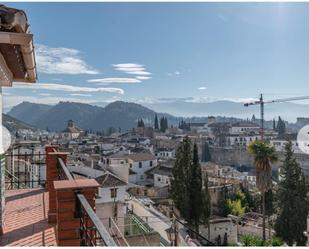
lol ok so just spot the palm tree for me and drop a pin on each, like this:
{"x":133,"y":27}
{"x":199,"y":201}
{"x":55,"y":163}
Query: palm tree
{"x":264,"y":155}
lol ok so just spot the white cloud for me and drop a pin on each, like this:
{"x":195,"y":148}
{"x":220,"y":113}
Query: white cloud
{"x":68,"y":88}
{"x":80,"y":95}
{"x":131,"y":68}
{"x":143,"y":77}
{"x":174,"y":73}
{"x":115,"y":80}
{"x":202,"y":88}
{"x":61,"y":61}
{"x":139,"y":72}
{"x":44,"y":94}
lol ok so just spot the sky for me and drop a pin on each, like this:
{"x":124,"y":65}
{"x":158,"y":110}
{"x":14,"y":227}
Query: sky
{"x":146,"y":52}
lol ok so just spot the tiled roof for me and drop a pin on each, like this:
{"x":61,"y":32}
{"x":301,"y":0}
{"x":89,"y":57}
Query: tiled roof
{"x":141,"y":157}
{"x":110,"y":180}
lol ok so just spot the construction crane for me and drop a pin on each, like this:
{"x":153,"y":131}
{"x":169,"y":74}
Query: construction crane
{"x":261,"y":102}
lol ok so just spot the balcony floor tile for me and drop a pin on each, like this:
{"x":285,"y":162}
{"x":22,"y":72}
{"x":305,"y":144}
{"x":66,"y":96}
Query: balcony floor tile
{"x":26,"y":219}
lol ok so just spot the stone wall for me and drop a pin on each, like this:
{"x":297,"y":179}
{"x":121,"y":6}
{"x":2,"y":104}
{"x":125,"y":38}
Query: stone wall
{"x":240,"y":157}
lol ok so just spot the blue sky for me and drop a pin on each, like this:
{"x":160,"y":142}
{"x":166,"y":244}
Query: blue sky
{"x":143,"y":52}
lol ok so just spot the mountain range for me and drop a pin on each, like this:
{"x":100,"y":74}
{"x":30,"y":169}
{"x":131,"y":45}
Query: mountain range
{"x":88,"y":117}
{"x":124,"y":115}
{"x":13,"y":124}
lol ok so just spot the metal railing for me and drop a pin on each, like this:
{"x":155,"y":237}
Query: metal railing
{"x":63,"y":171}
{"x":24,"y":170}
{"x":92,"y":231}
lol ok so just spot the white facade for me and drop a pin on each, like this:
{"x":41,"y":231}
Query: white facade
{"x":280,"y":145}
{"x":166,"y":153}
{"x":161,"y":180}
{"x":106,"y":194}
{"x":140,"y":167}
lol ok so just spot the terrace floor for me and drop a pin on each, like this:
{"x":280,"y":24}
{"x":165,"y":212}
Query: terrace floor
{"x":26,"y":219}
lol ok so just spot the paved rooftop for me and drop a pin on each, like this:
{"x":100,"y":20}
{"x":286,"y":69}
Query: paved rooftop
{"x":26,"y":219}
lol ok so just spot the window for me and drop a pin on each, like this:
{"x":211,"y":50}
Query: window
{"x":113,"y":192}
{"x":140,"y":164}
{"x":130,"y":165}
{"x":159,"y":179}
{"x":150,"y":163}
{"x":142,"y":177}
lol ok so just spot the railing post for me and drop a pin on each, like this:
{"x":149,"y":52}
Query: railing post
{"x":68,"y":223}
{"x":51,"y":176}
{"x":2,"y":193}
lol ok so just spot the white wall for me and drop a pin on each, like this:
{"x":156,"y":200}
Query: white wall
{"x":134,"y":165}
{"x":105,"y":194}
{"x":161,"y":180}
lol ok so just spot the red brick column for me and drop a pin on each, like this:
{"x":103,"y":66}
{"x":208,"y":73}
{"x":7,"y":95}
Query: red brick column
{"x":51,"y":176}
{"x":68,"y":224}
{"x":49,"y":149}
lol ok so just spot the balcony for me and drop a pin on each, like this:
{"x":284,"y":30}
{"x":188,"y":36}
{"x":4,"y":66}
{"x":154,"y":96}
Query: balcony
{"x":56,"y":210}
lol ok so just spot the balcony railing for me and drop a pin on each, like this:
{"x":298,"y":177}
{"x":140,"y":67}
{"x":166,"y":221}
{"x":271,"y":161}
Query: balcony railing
{"x":92,"y":231}
{"x":63,"y":171}
{"x":24,"y":170}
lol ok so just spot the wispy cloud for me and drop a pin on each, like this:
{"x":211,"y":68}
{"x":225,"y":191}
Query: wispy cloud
{"x":68,"y":88}
{"x":174,"y":73}
{"x":44,"y":94}
{"x":131,"y":68}
{"x":143,"y":77}
{"x":202,"y":88}
{"x":114,"y":80}
{"x":80,"y":95}
{"x":61,"y":61}
{"x":197,"y":100}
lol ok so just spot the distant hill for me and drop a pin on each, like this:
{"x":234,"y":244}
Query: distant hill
{"x":13,"y":124}
{"x":124,"y":115}
{"x":29,"y":112}
{"x":117,"y":114}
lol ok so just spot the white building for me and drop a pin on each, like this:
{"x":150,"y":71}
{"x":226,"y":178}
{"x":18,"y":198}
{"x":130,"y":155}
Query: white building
{"x":140,"y":163}
{"x":110,"y":200}
{"x":165,"y":153}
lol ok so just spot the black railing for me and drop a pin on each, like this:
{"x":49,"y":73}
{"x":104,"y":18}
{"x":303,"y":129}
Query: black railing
{"x":92,"y":231}
{"x":63,"y":171}
{"x":24,"y":170}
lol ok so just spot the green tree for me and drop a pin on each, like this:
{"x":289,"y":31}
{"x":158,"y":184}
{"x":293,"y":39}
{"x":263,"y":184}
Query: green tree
{"x":163,"y":124}
{"x":140,"y":123}
{"x":206,"y":156}
{"x":186,"y":185}
{"x":206,"y":205}
{"x":292,"y":202}
{"x":179,"y":182}
{"x":269,"y":208}
{"x":195,"y":190}
{"x":235,"y":207}
{"x":274,"y":124}
{"x":224,"y":210}
{"x":264,"y":155}
{"x":156,"y":123}
{"x":280,"y":127}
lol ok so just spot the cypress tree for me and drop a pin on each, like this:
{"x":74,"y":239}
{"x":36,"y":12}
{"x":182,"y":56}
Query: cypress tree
{"x":186,"y":185}
{"x":195,"y":190}
{"x":156,"y":123}
{"x":292,"y":202}
{"x":206,"y":156}
{"x":274,"y":124}
{"x":280,"y":127}
{"x":179,"y":182}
